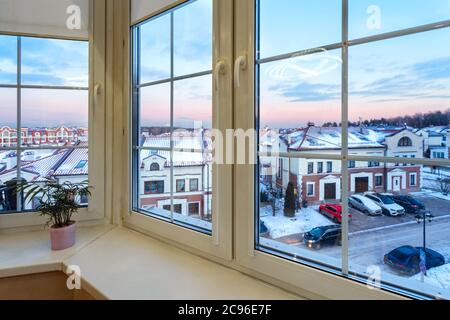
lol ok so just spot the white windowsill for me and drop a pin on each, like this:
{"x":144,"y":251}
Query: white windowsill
{"x":117,"y":263}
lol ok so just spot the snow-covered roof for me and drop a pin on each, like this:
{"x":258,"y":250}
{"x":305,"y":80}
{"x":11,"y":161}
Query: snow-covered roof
{"x":318,"y":138}
{"x":75,"y":163}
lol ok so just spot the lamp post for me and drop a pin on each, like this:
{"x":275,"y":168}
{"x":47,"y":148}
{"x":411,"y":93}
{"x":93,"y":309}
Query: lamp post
{"x":422,"y":218}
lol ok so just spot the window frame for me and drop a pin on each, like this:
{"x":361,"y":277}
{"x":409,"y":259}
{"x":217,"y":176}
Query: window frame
{"x":219,"y":242}
{"x":95,"y":211}
{"x":314,"y":279}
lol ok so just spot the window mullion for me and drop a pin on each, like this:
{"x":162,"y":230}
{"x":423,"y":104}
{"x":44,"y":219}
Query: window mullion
{"x":172,"y":74}
{"x":19,"y":117}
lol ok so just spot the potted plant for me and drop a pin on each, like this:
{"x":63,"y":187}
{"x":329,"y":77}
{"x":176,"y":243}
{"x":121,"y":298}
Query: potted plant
{"x":59,"y":203}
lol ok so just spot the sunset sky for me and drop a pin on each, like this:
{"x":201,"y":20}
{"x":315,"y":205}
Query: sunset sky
{"x":388,"y":78}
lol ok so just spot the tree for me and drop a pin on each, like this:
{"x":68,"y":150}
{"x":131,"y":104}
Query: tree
{"x":445,"y":186}
{"x":289,"y":201}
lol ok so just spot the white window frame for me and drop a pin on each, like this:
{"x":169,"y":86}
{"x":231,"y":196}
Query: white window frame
{"x":413,"y":174}
{"x":97,"y":116}
{"x":313,"y":184}
{"x":219,"y":243}
{"x":305,"y":277}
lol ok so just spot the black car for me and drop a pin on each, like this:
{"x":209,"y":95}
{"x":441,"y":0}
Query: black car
{"x":321,"y":235}
{"x":410,"y":204}
{"x":406,"y":259}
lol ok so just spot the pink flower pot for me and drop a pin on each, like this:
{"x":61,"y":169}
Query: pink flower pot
{"x":63,"y":238}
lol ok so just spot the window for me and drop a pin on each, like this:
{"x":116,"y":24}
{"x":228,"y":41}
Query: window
{"x":329,"y":167}
{"x":181,"y":185}
{"x":310,"y":167}
{"x":154,"y":167}
{"x":301,"y":89}
{"x":194,"y":209}
{"x":311,"y":189}
{"x":44,"y":112}
{"x":193,"y":185}
{"x":378,"y":181}
{"x":172,"y":104}
{"x":154,"y":187}
{"x":320,"y":167}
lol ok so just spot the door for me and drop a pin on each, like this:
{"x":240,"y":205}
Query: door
{"x":361,"y":185}
{"x":330,"y":191}
{"x":396,"y":183}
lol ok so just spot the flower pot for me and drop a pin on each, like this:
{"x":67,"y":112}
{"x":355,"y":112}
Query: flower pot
{"x":63,"y":238}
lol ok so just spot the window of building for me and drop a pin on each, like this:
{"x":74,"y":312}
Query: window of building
{"x":329,"y":167}
{"x":405,"y":142}
{"x":320,"y":167}
{"x":413,"y":179}
{"x":154,"y":187}
{"x":181,"y":185}
{"x":310,"y":167}
{"x":194,"y":209}
{"x":310,"y":189}
{"x":352,"y":164}
{"x":193,"y":185}
{"x":154,"y":167}
{"x":378,"y":180}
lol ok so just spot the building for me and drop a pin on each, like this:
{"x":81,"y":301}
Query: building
{"x":436,"y":142}
{"x":191,"y":182}
{"x":320,"y":180}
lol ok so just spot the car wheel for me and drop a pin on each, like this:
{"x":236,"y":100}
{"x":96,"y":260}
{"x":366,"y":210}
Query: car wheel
{"x":335,"y":220}
{"x":317,"y":246}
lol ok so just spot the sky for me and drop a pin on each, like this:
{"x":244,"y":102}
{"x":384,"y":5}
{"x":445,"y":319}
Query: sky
{"x":388,"y":78}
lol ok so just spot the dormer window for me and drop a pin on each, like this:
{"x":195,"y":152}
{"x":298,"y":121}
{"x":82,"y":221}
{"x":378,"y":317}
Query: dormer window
{"x":154,"y":167}
{"x":405,"y":142}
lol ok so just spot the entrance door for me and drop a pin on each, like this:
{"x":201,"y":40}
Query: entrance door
{"x":361,"y":185}
{"x":396,"y":183}
{"x":330,"y":191}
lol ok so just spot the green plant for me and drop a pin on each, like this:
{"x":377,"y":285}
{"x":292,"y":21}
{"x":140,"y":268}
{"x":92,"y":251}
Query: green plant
{"x":56,"y":201}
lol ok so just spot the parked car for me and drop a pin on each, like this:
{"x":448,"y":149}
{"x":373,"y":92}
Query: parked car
{"x":315,"y":238}
{"x":333,"y":211}
{"x":406,"y":259}
{"x":365,"y":205}
{"x":410,"y":204}
{"x":390,"y":208}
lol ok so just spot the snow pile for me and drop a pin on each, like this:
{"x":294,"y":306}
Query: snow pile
{"x":438,"y":277}
{"x":304,"y":221}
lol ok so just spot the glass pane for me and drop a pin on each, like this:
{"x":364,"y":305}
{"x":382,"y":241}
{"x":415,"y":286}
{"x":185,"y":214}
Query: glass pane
{"x":397,"y":83}
{"x":193,"y":103}
{"x":155,"y":49}
{"x":367,"y":17}
{"x":8,"y":118}
{"x":193,"y":38}
{"x":193,"y":207}
{"x":8,"y":60}
{"x":299,"y":209}
{"x":388,"y":232}
{"x":293,"y":25}
{"x":301,"y":92}
{"x":50,"y":124}
{"x":8,"y":181}
{"x":55,"y":62}
{"x":154,"y":195}
{"x":155,"y":116}
{"x":68,"y":165}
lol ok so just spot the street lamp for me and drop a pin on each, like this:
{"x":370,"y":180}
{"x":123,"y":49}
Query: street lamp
{"x":423,"y":218}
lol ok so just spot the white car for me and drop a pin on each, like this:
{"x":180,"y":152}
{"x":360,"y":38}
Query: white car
{"x":387,"y":204}
{"x":365,"y":205}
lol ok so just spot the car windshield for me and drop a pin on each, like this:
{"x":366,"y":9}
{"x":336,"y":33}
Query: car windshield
{"x":386,"y":199}
{"x":317,"y":232}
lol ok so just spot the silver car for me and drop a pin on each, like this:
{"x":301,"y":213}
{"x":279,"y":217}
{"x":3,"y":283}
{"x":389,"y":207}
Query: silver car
{"x":365,"y":205}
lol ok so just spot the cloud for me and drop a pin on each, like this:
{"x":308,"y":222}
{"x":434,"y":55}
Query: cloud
{"x":308,"y":92}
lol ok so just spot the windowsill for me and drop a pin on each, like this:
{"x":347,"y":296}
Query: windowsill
{"x":117,"y":263}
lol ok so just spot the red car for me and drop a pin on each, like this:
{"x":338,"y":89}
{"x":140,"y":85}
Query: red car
{"x":333,"y":211}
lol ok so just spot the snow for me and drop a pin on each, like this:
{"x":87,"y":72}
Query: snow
{"x":304,"y":221}
{"x":438,"y":277}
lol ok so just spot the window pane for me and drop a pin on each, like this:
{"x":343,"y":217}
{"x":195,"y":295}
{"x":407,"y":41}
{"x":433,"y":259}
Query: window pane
{"x":155,"y":116}
{"x":293,"y":25}
{"x":387,"y":239}
{"x":193,"y":103}
{"x":8,"y":60}
{"x":8,"y":118}
{"x":55,"y":117}
{"x":55,"y":62}
{"x":155,"y":49}
{"x":193,"y":38}
{"x":302,"y":91}
{"x":367,"y":17}
{"x":300,"y":212}
{"x":396,"y":82}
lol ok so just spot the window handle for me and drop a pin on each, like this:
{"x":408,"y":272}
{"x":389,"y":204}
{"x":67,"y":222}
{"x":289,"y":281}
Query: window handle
{"x":239,"y":65}
{"x":221,"y":69}
{"x":97,"y":92}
